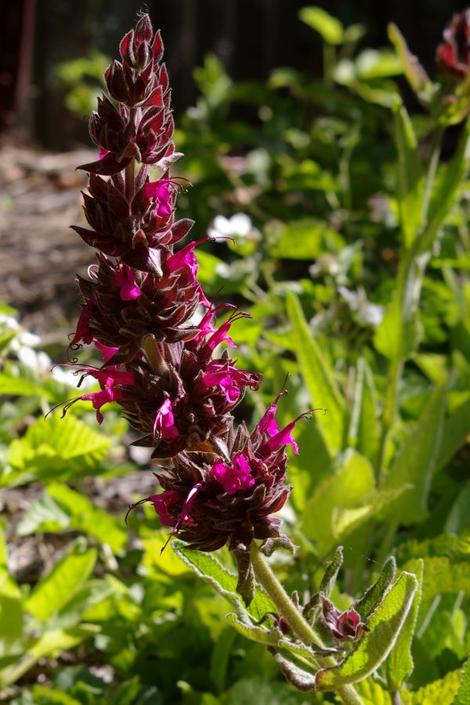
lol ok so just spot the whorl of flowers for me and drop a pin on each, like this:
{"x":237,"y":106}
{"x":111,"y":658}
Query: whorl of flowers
{"x":147,"y":315}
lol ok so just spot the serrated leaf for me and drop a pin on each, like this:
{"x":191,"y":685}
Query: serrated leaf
{"x":441,"y":576}
{"x":61,"y":584}
{"x":318,"y":377}
{"x":416,"y":461}
{"x":457,"y":548}
{"x":322,"y":22}
{"x":400,"y":663}
{"x":463,"y":693}
{"x":208,"y":567}
{"x":439,"y":692}
{"x":373,"y":648}
{"x":43,"y":514}
{"x":85,"y":516}
{"x":56,"y":447}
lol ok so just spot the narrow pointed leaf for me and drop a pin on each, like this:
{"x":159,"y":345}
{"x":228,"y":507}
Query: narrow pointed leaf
{"x":416,"y":460}
{"x":410,"y":176}
{"x":372,"y":597}
{"x":319,"y":378}
{"x":54,"y":591}
{"x":400,"y":663}
{"x":447,"y":189}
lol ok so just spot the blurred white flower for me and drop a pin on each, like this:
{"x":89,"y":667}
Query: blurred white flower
{"x":366,"y":313}
{"x":239,"y":225}
{"x":37,"y":361}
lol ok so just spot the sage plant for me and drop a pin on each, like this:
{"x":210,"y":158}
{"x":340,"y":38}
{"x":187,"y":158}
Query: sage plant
{"x":166,"y":361}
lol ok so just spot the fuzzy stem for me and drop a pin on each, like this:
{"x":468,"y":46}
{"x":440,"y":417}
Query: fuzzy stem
{"x":299,"y":625}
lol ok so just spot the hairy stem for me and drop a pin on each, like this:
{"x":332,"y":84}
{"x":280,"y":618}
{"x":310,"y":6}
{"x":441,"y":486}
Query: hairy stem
{"x":303,"y":630}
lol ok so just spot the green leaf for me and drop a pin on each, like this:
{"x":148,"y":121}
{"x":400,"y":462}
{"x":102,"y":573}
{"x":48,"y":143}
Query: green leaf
{"x":447,"y":190}
{"x":56,"y":447}
{"x":11,"y":620}
{"x":322,"y":22}
{"x":303,"y":239}
{"x":366,"y":604}
{"x":343,"y":502}
{"x":61,"y":584}
{"x":410,"y":176}
{"x":416,"y":461}
{"x":372,"y":693}
{"x":331,"y":573}
{"x":455,"y":432}
{"x":374,"y":647}
{"x":257,"y":690}
{"x":439,"y":692}
{"x":210,"y":569}
{"x":463,"y":694}
{"x":253,"y":632}
{"x":400,"y":663}
{"x":414,"y":72}
{"x":441,"y":576}
{"x":458,"y":519}
{"x":319,"y":378}
{"x":47,"y":696}
{"x":364,"y":430}
{"x":49,"y":644}
{"x":21,"y":386}
{"x":85,"y":516}
{"x":43,"y":514}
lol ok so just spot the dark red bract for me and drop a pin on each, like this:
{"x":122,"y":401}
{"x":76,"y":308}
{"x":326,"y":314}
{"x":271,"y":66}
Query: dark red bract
{"x":453,"y":55}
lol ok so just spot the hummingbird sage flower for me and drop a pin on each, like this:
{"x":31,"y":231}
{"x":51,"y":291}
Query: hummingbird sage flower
{"x":167,"y":362}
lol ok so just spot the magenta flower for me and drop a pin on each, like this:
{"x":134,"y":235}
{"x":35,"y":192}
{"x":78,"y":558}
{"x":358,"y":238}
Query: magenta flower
{"x":186,"y":257}
{"x":82,"y":332}
{"x":235,"y":477}
{"x":128,"y":287}
{"x":110,"y":379}
{"x":107,"y":351}
{"x":164,"y":424}
{"x":160,"y":192}
{"x":342,"y":625}
{"x":277,"y":438}
{"x":229,"y":378}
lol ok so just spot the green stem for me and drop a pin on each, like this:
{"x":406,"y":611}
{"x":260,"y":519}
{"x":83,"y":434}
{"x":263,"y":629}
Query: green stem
{"x":389,"y":412}
{"x":294,"y":617}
